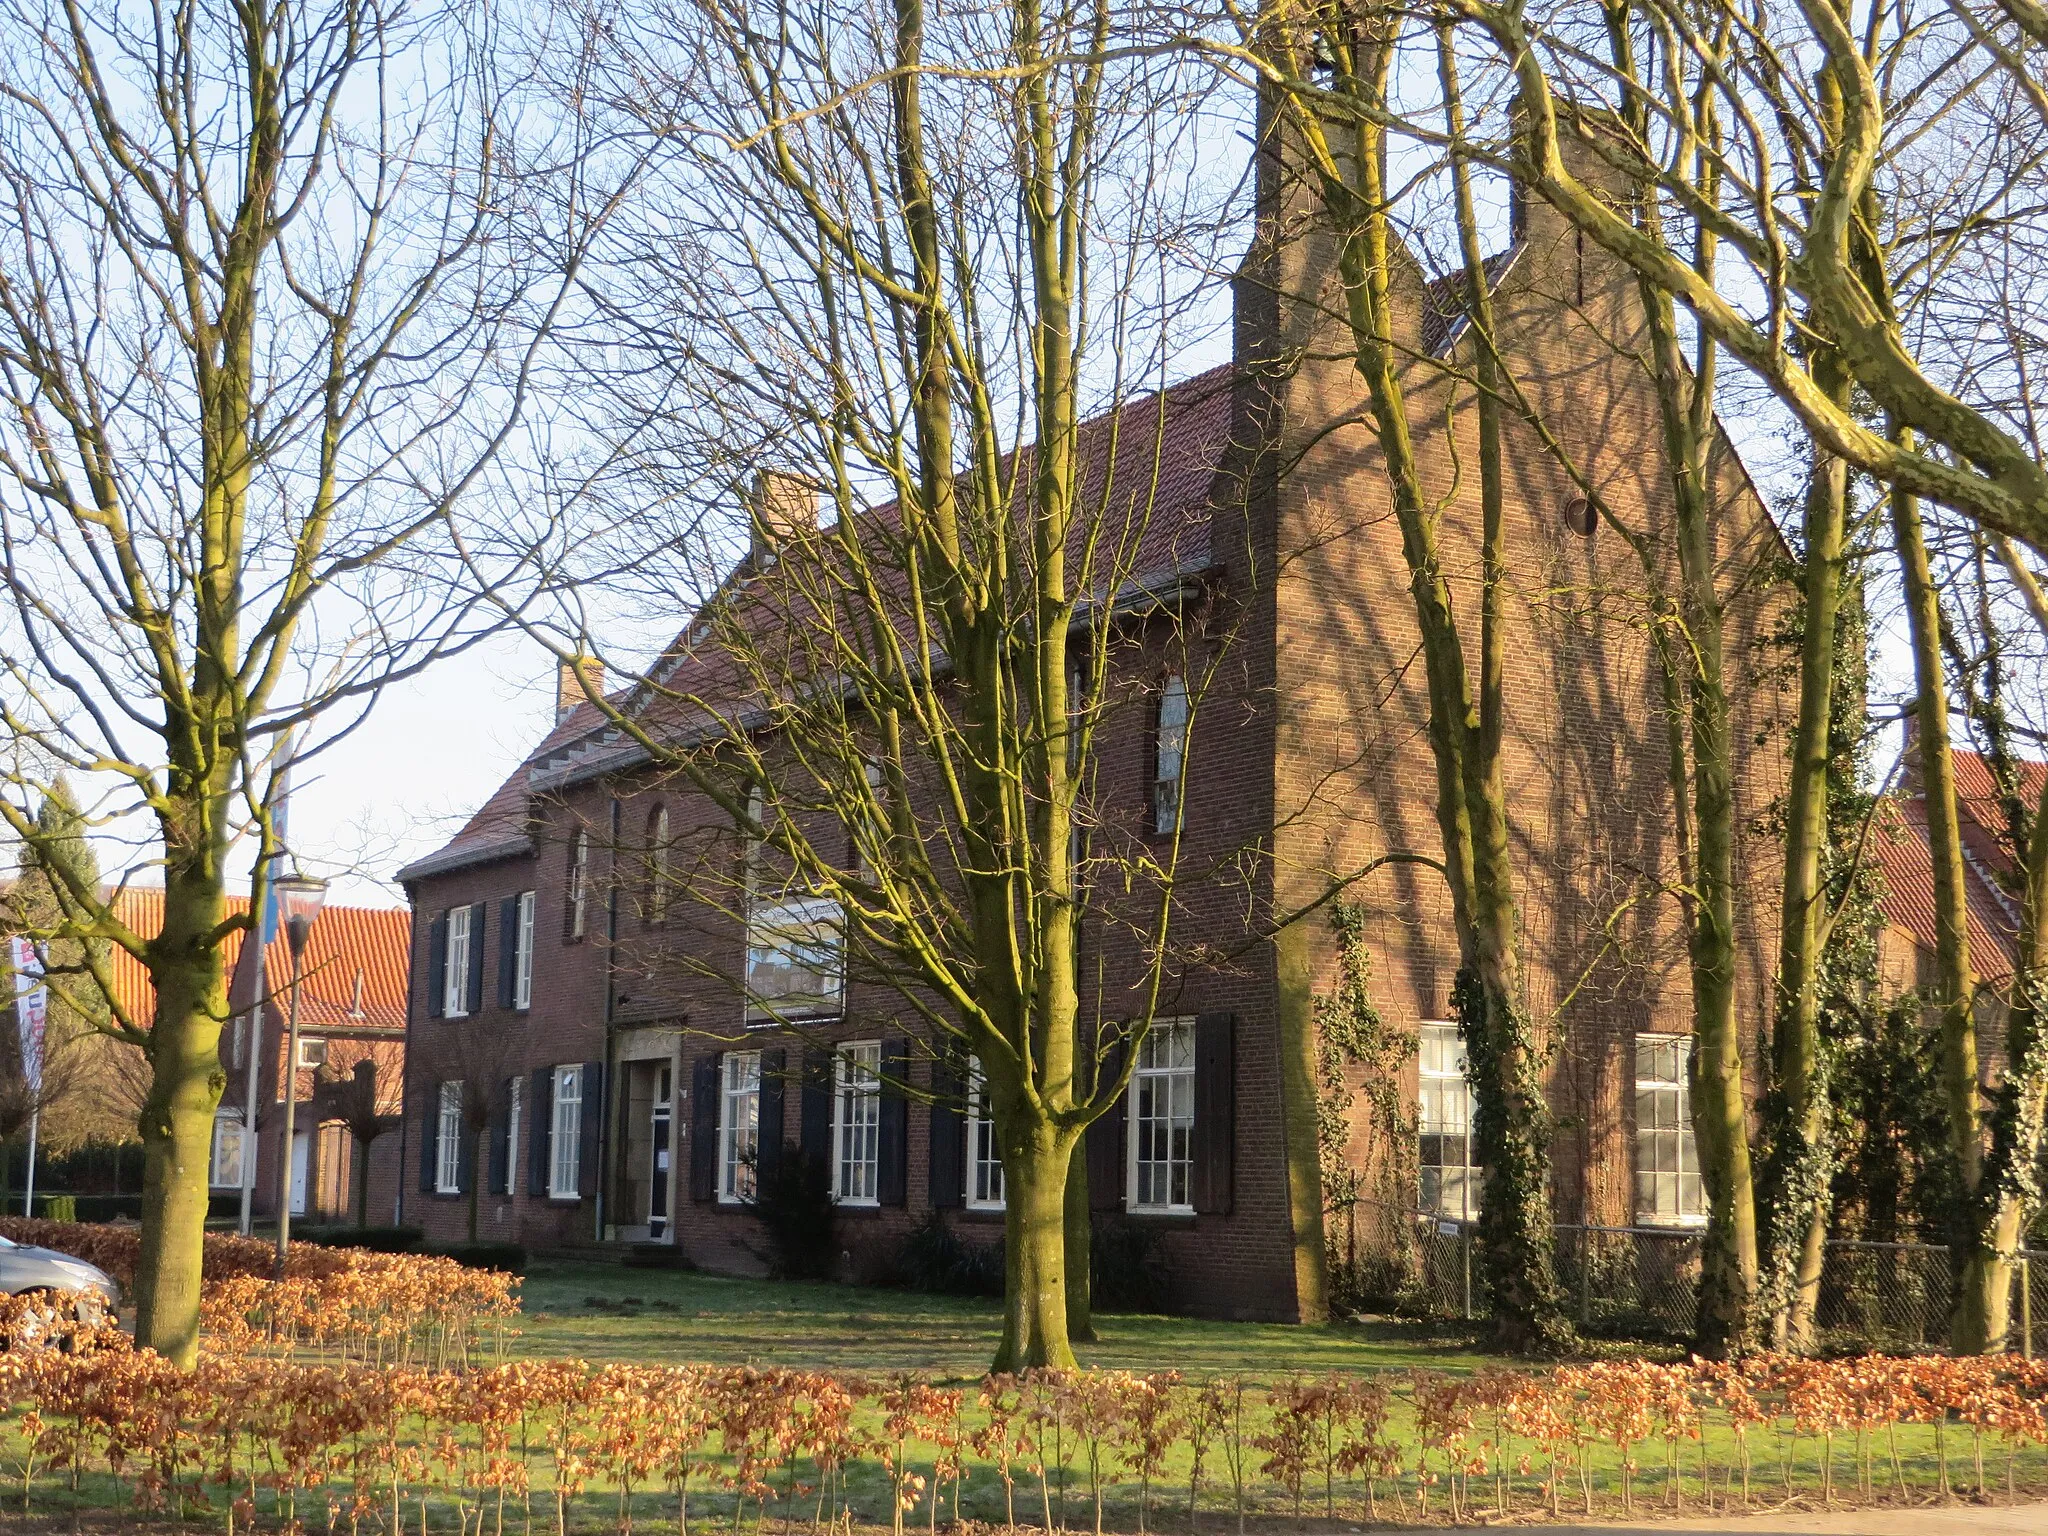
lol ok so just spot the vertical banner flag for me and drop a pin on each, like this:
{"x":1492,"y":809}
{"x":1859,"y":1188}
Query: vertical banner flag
{"x":31,"y":1007}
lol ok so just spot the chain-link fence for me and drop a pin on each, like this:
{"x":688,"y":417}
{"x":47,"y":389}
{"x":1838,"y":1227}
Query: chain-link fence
{"x":1643,"y":1282}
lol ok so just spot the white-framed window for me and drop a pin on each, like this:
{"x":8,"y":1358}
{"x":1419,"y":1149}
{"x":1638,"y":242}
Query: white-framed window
{"x":1169,"y":752}
{"x":522,"y":953}
{"x":565,"y":1144}
{"x":856,"y":1122}
{"x":515,"y":1097}
{"x":1450,"y":1170}
{"x":455,"y":979}
{"x":984,"y":1152}
{"x":1162,"y":1172}
{"x":579,"y":882}
{"x":1668,"y":1187}
{"x":448,"y":1142}
{"x":312,"y":1054}
{"x":224,"y":1169}
{"x":739,"y":1125}
{"x":794,"y":965}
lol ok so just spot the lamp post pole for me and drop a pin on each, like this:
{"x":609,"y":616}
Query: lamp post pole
{"x":300,"y":899}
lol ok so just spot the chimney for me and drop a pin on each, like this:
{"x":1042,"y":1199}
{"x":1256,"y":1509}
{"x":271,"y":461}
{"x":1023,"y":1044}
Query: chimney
{"x":783,"y":506}
{"x":569,"y":686}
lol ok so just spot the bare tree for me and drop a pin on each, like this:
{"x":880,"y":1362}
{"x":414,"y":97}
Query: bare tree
{"x":1845,"y":202}
{"x":888,"y":263}
{"x":257,"y":347}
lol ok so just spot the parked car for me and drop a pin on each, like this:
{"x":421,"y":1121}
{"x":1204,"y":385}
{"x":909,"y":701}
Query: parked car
{"x":72,"y":1283}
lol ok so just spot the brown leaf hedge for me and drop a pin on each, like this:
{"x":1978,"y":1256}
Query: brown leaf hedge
{"x":355,"y":1396}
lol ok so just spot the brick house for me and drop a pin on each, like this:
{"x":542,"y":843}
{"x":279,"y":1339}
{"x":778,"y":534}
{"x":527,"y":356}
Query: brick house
{"x":645,"y":1090}
{"x":351,"y":1041}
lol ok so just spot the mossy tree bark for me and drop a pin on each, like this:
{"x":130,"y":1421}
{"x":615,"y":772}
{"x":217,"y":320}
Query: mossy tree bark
{"x":1703,"y":766}
{"x":1345,"y":156}
{"x":1800,"y":1161}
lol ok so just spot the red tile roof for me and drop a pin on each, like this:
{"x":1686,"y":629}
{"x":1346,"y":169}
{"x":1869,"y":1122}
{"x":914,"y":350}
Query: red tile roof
{"x":1153,"y":464}
{"x":1907,"y":863}
{"x":355,"y":967}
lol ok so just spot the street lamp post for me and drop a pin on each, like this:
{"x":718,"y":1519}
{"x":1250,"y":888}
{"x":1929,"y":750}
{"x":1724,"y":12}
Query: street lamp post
{"x":299,"y":898}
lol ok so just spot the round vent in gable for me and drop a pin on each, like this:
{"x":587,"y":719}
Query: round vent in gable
{"x":1580,"y":517}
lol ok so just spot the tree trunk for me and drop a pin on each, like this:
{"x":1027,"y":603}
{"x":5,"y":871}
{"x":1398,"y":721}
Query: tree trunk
{"x":186,"y":1080}
{"x":362,"y":1183}
{"x":1035,"y":1253}
{"x":1514,"y":1214}
{"x":1800,"y":1153}
{"x":1512,"y":1127}
{"x":1305,"y":1193}
{"x":1980,"y":1321}
{"x":1080,"y":1272}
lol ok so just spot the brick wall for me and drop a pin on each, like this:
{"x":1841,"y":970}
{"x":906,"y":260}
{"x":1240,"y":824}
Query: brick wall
{"x":1585,"y":755}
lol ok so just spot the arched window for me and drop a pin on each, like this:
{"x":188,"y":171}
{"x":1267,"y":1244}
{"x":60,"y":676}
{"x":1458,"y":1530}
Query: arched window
{"x":1169,"y":752}
{"x":579,"y":882}
{"x":751,"y":856}
{"x":656,"y":905}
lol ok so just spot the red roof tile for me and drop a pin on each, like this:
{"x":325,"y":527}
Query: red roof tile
{"x":1161,"y":453}
{"x":1907,"y":863}
{"x":355,"y":968}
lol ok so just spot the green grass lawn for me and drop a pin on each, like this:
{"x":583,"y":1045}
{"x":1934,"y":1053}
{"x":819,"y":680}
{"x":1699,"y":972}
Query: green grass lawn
{"x":573,"y":1308}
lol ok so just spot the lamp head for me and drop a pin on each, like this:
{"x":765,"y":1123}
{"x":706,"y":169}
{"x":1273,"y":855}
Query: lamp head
{"x":299,"y":898}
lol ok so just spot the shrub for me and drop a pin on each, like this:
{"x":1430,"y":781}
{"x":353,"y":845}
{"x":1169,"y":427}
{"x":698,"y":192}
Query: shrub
{"x":793,"y":1201}
{"x":937,"y":1259}
{"x":371,"y":1239}
{"x":245,"y":1432}
{"x":1126,"y":1267}
{"x":386,"y":1307}
{"x":58,"y":1207}
{"x":508,"y":1258}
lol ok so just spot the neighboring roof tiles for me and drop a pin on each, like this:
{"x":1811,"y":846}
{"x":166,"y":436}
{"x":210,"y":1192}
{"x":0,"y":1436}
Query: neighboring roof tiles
{"x":373,"y":942}
{"x":1907,"y":863}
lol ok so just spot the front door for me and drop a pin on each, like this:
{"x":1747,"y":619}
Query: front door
{"x":657,"y":1184}
{"x":302,"y":1143}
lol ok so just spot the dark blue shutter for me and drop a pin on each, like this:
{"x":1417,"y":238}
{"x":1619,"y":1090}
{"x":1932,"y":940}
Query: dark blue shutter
{"x":814,"y":1114}
{"x":590,"y":1146}
{"x":430,"y":1137}
{"x":501,"y":1139}
{"x":949,"y":1134}
{"x":540,"y":1111}
{"x":508,"y":951}
{"x":893,"y":1155}
{"x":437,"y":965}
{"x":1105,"y":1140}
{"x":1215,"y":1136}
{"x":465,"y":1151}
{"x":473,"y":984}
{"x":704,"y":1128}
